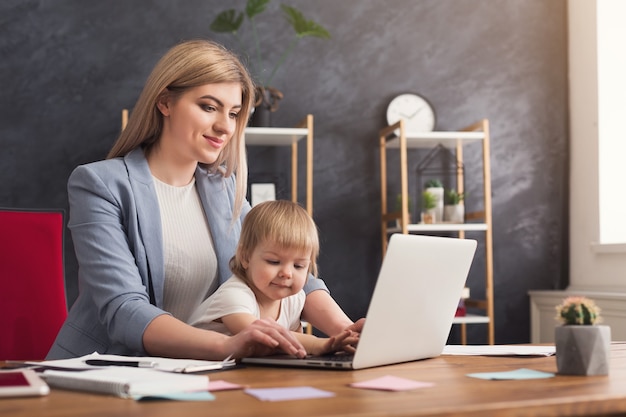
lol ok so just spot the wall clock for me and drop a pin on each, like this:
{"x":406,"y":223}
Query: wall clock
{"x":415,"y":110}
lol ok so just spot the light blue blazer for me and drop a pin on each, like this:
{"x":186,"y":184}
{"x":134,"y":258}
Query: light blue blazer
{"x":116,"y":230}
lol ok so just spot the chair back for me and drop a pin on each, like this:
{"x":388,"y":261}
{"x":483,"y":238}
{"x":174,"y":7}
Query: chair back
{"x":33,"y":303}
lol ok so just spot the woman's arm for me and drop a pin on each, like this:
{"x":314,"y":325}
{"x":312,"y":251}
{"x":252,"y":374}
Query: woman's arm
{"x":169,"y":337}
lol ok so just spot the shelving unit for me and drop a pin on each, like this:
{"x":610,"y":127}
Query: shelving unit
{"x":285,"y":136}
{"x":395,"y":137}
{"x":290,"y":136}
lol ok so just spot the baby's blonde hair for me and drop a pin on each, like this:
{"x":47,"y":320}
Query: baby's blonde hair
{"x":281,"y":222}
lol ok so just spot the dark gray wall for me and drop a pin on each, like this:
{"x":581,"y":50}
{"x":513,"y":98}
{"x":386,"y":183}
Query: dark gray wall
{"x":69,"y":66}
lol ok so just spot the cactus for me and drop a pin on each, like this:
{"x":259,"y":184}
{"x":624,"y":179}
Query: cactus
{"x":578,"y":310}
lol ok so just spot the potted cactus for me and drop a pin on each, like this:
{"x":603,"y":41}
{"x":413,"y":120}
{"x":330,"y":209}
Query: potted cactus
{"x":582,"y":346}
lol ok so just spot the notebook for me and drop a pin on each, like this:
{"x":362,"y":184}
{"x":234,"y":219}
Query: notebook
{"x":127,"y":382}
{"x":412,"y":308}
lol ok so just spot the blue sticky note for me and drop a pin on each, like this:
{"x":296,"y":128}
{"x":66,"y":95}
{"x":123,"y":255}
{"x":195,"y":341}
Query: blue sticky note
{"x":521,"y":373}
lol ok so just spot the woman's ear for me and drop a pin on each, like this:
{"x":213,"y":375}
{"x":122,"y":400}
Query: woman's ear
{"x":163,"y":103}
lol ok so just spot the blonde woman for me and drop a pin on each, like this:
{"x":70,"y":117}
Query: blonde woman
{"x":277,"y":251}
{"x":156,"y":223}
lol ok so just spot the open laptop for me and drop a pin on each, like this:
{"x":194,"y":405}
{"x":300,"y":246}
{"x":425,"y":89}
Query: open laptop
{"x":412,"y":308}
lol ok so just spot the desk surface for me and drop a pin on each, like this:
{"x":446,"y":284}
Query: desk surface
{"x":454,"y":394}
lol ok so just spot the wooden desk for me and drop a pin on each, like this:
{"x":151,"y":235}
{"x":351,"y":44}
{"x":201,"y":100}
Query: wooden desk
{"x":453,"y":395}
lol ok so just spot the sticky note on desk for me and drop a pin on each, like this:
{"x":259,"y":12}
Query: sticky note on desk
{"x":391,"y":383}
{"x":288,"y":393}
{"x":521,"y":373}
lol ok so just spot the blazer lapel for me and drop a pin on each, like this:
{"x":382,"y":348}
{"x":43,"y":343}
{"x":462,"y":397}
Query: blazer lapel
{"x":149,"y":220}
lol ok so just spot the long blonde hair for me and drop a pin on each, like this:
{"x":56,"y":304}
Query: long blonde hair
{"x":187,"y":65}
{"x":281,"y":222}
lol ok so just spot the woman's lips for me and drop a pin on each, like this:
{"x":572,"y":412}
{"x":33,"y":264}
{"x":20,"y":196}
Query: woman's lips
{"x":213,"y":141}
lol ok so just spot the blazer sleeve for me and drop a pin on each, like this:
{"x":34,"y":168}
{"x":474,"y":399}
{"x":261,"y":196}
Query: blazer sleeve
{"x":105,"y":231}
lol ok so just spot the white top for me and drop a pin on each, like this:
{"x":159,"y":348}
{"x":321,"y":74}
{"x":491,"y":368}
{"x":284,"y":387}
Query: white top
{"x":235,"y":296}
{"x":189,"y":257}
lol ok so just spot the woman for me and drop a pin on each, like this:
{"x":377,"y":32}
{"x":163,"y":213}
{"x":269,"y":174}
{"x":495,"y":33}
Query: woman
{"x":155,"y":225}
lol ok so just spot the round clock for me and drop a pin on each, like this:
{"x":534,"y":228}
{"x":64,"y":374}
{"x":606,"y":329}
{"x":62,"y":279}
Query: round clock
{"x":415,"y":110}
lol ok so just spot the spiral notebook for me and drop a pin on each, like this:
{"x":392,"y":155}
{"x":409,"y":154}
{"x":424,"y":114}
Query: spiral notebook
{"x":127,"y":382}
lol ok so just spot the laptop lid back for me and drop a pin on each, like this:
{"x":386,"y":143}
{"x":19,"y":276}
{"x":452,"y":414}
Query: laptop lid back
{"x":416,"y":295}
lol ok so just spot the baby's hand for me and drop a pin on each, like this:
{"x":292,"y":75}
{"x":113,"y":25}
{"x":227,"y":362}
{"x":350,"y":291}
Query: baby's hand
{"x":343,"y":342}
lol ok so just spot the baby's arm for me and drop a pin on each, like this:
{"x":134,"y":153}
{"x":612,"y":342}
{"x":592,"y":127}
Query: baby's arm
{"x":313,"y":345}
{"x":344,"y":341}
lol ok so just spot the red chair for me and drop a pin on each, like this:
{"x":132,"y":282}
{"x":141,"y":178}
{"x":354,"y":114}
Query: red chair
{"x":33,"y":304}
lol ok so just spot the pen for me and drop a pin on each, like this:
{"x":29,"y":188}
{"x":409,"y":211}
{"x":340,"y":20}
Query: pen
{"x":135,"y":364}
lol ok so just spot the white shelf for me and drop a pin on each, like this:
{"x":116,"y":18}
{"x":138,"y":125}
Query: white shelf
{"x":274,"y":136}
{"x":471,"y":319}
{"x":432,"y":139}
{"x":441,"y":227}
{"x":477,"y":133}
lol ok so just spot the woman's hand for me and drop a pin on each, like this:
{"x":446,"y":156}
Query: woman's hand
{"x":263,"y":337}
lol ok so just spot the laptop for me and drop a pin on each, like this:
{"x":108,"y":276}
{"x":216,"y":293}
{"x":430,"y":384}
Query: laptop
{"x":412,"y":308}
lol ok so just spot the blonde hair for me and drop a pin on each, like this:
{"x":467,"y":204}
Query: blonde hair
{"x":281,"y":222}
{"x":188,"y":65}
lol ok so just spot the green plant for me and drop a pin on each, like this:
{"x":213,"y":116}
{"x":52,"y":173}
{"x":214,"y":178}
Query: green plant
{"x":578,"y":310}
{"x":433,"y":184}
{"x":231,"y":20}
{"x":452,"y":197}
{"x":399,"y":203}
{"x":429,"y":201}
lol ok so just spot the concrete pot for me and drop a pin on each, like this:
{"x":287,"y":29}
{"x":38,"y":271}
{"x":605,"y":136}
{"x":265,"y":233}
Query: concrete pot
{"x":582,"y":349}
{"x":454,"y":213}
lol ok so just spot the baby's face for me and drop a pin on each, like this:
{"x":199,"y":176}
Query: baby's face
{"x":278,"y":272}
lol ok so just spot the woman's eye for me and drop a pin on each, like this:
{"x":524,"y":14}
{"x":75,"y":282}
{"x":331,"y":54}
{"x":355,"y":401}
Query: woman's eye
{"x":234,"y":115}
{"x":208,"y":107}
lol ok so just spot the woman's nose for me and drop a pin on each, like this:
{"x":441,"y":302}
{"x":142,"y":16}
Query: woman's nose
{"x":224,"y":124}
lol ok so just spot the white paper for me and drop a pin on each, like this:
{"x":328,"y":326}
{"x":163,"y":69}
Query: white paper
{"x":161,"y":364}
{"x":499,"y":350}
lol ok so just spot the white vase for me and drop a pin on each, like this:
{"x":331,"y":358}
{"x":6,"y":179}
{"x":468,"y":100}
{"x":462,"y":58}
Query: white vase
{"x":454,"y":213}
{"x":582,"y":349}
{"x":437,"y":192}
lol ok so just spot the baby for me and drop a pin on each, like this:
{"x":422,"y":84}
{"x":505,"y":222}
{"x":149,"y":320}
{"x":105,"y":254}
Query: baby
{"x":277,"y":250}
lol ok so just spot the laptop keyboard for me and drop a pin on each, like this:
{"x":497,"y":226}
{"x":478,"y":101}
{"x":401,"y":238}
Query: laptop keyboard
{"x":333,"y":358}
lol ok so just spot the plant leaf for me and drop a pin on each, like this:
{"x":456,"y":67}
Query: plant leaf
{"x":227,"y":21}
{"x":255,"y":7}
{"x":302,"y":26}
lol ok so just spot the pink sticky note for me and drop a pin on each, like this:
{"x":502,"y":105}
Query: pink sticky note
{"x":391,"y":383}
{"x":221,"y":385}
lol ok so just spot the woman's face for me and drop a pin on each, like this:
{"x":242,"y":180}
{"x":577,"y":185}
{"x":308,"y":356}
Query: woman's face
{"x":198,"y":124}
